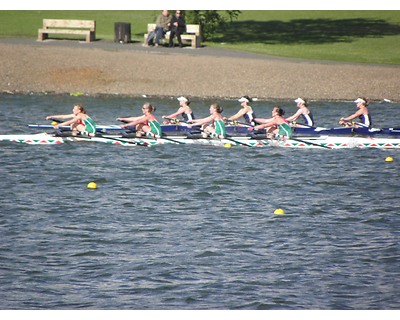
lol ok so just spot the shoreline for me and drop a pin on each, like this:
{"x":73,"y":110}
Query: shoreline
{"x":173,"y":97}
{"x":68,"y":66}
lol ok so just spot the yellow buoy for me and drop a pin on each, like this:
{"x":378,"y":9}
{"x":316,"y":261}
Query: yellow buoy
{"x":389,"y":159}
{"x":227,"y":145}
{"x":279,"y":211}
{"x":92,"y":185}
{"x":54,"y":123}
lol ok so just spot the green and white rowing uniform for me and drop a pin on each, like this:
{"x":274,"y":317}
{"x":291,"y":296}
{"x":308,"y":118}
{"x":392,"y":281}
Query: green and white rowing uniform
{"x":155,"y":128}
{"x":90,"y":126}
{"x":220,"y":130}
{"x":284,"y":130}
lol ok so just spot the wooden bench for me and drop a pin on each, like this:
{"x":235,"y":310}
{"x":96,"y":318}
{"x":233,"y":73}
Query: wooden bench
{"x":60,"y":26}
{"x":192,"y":34}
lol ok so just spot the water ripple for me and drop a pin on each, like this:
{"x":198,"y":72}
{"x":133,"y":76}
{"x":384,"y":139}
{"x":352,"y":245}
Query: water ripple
{"x":192,"y":227}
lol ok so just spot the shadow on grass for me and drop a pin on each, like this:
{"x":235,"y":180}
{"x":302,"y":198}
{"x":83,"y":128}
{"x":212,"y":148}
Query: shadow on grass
{"x":307,"y":31}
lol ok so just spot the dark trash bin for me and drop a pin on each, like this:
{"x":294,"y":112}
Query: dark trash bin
{"x":122,"y":32}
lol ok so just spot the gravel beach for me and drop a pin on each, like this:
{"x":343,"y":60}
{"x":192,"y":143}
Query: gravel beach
{"x":67,"y":66}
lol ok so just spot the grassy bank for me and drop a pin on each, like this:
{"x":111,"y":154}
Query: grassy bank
{"x":353,"y":36}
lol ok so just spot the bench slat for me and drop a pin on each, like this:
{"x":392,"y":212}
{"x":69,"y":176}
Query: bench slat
{"x":193,"y":28}
{"x":64,"y":31}
{"x":62,"y":23}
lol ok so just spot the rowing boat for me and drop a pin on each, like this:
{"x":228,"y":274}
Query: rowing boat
{"x":170,"y":129}
{"x":330,"y":142}
{"x":236,"y":130}
{"x":349,"y":131}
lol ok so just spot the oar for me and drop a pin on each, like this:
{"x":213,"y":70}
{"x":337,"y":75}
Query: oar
{"x":311,"y":143}
{"x":174,"y":120}
{"x":56,"y":120}
{"x":352,"y":124}
{"x":233,"y":140}
{"x":142,"y":144}
{"x":172,"y":140}
{"x":235,"y":122}
{"x":302,"y":124}
{"x":242,"y":143}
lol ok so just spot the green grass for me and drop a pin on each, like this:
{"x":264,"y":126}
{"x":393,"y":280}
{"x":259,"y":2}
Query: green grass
{"x":353,"y":36}
{"x":25,"y":24}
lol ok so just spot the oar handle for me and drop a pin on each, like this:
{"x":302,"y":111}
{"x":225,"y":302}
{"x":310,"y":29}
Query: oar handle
{"x":301,"y":124}
{"x":175,"y":120}
{"x":123,"y":121}
{"x":235,"y":122}
{"x":56,"y":120}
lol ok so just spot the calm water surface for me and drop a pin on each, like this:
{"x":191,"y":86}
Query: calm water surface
{"x":192,"y":227}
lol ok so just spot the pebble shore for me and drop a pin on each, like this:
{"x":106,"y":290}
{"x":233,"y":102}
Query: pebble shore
{"x":33,"y":67}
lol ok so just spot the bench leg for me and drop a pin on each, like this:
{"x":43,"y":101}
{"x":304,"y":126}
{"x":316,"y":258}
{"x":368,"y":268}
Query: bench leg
{"x":42,"y":36}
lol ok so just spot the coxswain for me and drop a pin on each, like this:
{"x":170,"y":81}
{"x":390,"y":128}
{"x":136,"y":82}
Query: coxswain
{"x":362,"y":113}
{"x":80,"y":122}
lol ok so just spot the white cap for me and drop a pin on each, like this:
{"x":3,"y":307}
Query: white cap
{"x":299,"y":100}
{"x":359,"y":100}
{"x":243,"y":99}
{"x":183,"y":99}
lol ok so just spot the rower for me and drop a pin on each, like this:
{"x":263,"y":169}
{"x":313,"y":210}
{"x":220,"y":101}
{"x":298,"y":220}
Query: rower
{"x":80,"y":122}
{"x":217,"y":127}
{"x":184,"y":110}
{"x":362,"y":113}
{"x":277,"y":126}
{"x":147,"y":123}
{"x":303,"y":111}
{"x":246,"y":112}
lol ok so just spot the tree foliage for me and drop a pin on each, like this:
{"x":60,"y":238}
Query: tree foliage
{"x":210,"y":20}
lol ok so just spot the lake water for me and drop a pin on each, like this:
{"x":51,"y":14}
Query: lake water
{"x":193,"y":227}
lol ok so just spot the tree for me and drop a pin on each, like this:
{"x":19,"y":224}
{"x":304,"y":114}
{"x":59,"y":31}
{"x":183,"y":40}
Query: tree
{"x":210,"y":20}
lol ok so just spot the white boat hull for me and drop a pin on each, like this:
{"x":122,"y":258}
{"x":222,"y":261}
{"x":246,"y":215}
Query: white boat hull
{"x":327,"y":142}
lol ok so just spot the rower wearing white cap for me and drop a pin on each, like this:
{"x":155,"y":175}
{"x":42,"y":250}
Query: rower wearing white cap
{"x":183,"y":110}
{"x":362,"y":113}
{"x":304,"y":112}
{"x":246,"y":112}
